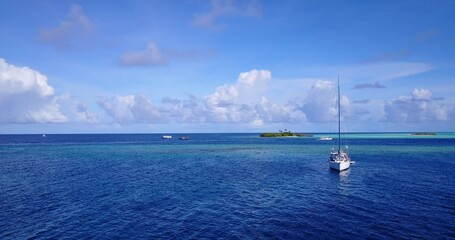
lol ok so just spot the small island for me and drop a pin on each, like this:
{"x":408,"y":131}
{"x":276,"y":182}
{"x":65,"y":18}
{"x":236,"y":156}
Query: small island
{"x":423,"y":134}
{"x":285,"y":133}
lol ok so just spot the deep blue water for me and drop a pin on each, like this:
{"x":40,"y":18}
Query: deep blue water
{"x":229,"y":186}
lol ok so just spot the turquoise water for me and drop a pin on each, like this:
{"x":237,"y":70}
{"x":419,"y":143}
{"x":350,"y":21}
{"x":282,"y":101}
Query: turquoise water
{"x":387,"y":135}
{"x":234,"y":186}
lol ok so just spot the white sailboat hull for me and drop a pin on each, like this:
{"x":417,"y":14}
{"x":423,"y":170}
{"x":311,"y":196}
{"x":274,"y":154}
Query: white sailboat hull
{"x":339,"y":166}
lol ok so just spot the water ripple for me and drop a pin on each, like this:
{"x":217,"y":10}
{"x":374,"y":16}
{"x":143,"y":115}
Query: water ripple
{"x":237,"y":188}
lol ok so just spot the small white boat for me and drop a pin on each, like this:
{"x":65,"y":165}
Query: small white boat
{"x":184,"y":138}
{"x":324,"y":139}
{"x":339,"y":160}
{"x":166,"y":137}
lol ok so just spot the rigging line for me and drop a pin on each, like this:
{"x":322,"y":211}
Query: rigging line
{"x":339,"y":117}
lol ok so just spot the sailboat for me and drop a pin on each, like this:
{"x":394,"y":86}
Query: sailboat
{"x":339,"y":160}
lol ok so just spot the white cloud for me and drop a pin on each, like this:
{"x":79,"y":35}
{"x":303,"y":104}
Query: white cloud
{"x":49,"y":112}
{"x":133,"y":109}
{"x":243,"y":102}
{"x":235,"y":103}
{"x":419,"y":107}
{"x":320,"y":104}
{"x":270,"y":112}
{"x":421,"y":94}
{"x":257,"y":123}
{"x":226,"y":8}
{"x":223,"y":96}
{"x":76,"y":25}
{"x":250,"y":88}
{"x":246,"y":102}
{"x":17,"y":80}
{"x":185,"y":111}
{"x":253,"y":85}
{"x":25,"y":96}
{"x":76,"y":110}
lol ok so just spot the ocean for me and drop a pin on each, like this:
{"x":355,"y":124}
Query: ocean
{"x":225,"y":186}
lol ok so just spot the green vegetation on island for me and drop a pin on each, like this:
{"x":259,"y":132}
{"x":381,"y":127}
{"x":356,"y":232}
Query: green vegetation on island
{"x":423,"y":134}
{"x":285,"y":133}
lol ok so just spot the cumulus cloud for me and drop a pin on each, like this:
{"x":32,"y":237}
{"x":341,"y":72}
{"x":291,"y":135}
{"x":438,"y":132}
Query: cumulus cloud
{"x":74,"y":26}
{"x":368,"y":85}
{"x":226,"y":8}
{"x":17,"y":80}
{"x":250,"y":87}
{"x":321,"y":102}
{"x":76,"y":110}
{"x":269,"y":112}
{"x":418,"y":107}
{"x":246,"y":102}
{"x":26,"y":97}
{"x":242,"y":102}
{"x":235,"y":103}
{"x":133,"y":109}
{"x":421,"y":94}
{"x":188,"y":110}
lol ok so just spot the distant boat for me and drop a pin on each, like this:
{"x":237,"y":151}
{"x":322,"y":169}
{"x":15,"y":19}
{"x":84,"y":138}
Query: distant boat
{"x":324,"y":139}
{"x":166,"y":137}
{"x":184,"y":138}
{"x":44,"y":135}
{"x":339,"y":160}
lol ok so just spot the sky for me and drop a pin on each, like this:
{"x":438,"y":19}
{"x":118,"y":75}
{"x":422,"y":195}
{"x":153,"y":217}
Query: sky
{"x":191,"y":66}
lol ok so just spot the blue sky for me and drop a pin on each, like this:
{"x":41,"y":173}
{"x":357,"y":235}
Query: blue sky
{"x":226,"y":66}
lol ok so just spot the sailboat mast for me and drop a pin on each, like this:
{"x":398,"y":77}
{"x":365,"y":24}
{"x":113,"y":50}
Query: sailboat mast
{"x":339,"y":117}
